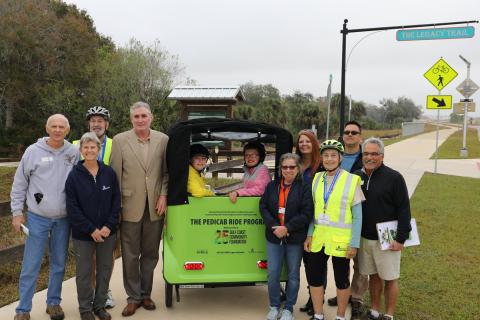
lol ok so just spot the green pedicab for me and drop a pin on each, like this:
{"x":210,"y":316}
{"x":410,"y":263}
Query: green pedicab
{"x":210,"y":242}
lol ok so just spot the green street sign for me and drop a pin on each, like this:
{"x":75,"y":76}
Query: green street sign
{"x":436,"y":33}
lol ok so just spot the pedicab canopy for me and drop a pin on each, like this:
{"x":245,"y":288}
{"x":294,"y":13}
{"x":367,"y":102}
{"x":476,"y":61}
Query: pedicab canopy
{"x":182,"y":134}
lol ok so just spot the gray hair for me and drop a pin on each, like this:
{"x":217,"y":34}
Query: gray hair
{"x":376,"y":141}
{"x":140,"y":104}
{"x":58,"y":116}
{"x":293,"y":156}
{"x":90,"y":137}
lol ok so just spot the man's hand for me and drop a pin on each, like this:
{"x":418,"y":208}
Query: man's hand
{"x":280,"y":232}
{"x":233,"y":196}
{"x":396,"y":246}
{"x":351,"y":253}
{"x":161,"y":205}
{"x":105,"y":232}
{"x":17,"y":221}
{"x":97,"y":236}
{"x":307,"y":245}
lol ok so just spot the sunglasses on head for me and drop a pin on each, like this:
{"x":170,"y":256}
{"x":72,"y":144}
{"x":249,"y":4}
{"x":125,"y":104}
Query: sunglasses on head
{"x":353,"y":133}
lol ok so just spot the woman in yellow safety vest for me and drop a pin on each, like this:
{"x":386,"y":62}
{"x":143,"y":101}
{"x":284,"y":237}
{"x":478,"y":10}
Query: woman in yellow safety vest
{"x":335,"y":229}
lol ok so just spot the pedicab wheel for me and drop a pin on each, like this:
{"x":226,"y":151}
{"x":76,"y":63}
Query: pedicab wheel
{"x":168,"y":294}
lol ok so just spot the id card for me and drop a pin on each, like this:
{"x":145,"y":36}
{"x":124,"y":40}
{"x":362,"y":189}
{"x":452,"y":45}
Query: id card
{"x":323,"y":219}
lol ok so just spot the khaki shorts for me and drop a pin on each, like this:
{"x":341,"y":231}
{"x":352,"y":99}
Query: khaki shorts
{"x":373,"y":260}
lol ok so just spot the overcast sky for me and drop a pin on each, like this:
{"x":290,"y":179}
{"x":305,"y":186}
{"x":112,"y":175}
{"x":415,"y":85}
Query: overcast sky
{"x":296,"y":45}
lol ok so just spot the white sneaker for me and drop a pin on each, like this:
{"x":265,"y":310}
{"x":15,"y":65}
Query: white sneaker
{"x":110,"y":303}
{"x":287,"y":315}
{"x":273,"y":314}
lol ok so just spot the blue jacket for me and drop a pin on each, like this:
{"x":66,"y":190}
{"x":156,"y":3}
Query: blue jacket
{"x":298,"y":211}
{"x":92,"y":203}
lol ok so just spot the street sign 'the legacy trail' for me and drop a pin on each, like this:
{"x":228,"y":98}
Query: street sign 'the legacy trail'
{"x":436,"y":33}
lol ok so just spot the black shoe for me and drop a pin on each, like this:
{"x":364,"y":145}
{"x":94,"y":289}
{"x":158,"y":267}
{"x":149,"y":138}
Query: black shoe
{"x":307,"y":306}
{"x":102,"y":314}
{"x":357,"y":309}
{"x":332,"y":302}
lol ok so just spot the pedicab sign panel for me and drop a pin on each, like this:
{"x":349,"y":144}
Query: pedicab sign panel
{"x":229,"y":239}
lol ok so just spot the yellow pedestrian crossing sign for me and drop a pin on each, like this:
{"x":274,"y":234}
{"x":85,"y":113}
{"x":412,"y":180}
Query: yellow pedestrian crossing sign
{"x":440,"y":74}
{"x":439,"y":102}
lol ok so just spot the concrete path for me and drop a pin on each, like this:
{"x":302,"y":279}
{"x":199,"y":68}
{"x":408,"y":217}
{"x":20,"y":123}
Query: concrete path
{"x":410,"y":157}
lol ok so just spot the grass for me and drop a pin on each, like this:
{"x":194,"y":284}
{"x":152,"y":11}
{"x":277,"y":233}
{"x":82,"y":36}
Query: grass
{"x":450,"y":149}
{"x":439,"y":278}
{"x":6,"y":178}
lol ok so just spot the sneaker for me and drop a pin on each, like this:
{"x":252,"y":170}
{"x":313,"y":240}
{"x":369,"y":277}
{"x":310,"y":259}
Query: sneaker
{"x":102,"y":314}
{"x":55,"y":312}
{"x":22,"y":316}
{"x":110,"y":303}
{"x":357,"y":307}
{"x":385,"y":317}
{"x":287,"y":315}
{"x":87,"y":315}
{"x":273,"y":313}
{"x":371,"y":317}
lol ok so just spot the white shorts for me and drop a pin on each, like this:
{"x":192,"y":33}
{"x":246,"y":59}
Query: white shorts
{"x":373,"y":260}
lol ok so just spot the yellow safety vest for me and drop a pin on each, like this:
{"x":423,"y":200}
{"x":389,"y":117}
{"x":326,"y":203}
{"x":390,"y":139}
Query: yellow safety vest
{"x":106,"y":153}
{"x":333,"y":228}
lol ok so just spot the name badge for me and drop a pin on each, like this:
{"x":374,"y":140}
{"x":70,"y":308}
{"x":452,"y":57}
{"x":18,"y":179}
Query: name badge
{"x":324,"y":219}
{"x":281,"y":210}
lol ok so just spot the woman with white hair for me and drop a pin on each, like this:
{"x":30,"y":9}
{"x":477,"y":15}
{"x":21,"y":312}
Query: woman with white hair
{"x":93,"y":208}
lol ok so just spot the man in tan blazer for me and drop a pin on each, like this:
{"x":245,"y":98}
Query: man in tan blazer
{"x":139,"y":160}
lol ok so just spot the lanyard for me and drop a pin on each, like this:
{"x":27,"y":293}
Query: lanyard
{"x":100,"y":158}
{"x":326,"y":194}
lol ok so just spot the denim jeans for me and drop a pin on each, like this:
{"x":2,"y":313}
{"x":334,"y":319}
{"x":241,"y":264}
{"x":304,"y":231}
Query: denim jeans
{"x":43,"y":230}
{"x":276,"y":255}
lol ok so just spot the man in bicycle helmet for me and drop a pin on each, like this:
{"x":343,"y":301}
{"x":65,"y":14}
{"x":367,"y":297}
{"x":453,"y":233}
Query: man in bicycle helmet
{"x":98,"y":119}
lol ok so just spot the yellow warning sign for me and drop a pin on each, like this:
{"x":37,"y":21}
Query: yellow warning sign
{"x":439,"y":102}
{"x":440,"y":74}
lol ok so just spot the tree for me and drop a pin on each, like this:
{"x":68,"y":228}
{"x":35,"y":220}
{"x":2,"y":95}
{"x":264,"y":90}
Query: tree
{"x":402,"y":110}
{"x":133,"y":73}
{"x":45,"y":48}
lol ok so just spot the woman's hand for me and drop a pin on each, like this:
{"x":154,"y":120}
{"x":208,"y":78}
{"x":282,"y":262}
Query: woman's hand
{"x":233,"y":196}
{"x":351,"y":253}
{"x":307,"y":245}
{"x":105,"y":232}
{"x":97,"y":236}
{"x":280,"y":232}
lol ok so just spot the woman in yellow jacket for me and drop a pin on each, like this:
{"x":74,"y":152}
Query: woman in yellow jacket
{"x":335,"y":229}
{"x":196,"y":180}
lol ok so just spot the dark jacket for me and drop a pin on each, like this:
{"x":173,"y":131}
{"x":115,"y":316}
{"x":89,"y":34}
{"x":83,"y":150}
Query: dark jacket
{"x":92,"y":203}
{"x":298,"y":211}
{"x":386,"y":200}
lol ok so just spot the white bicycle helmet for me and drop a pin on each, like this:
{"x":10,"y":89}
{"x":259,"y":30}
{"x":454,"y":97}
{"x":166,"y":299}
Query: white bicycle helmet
{"x":98,"y":111}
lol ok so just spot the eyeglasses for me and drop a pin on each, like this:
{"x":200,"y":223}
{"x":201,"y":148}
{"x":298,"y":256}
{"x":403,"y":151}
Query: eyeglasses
{"x":353,"y":133}
{"x":289,"y":167}
{"x":373,"y":154}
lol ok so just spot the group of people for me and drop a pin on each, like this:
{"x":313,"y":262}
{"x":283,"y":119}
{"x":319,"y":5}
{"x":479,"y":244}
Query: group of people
{"x":326,"y":202}
{"x":86,"y":188}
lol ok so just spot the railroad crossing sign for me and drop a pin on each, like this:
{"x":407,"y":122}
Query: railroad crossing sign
{"x":460,"y":105}
{"x":440,"y":74}
{"x":439,"y":102}
{"x":467,"y":88}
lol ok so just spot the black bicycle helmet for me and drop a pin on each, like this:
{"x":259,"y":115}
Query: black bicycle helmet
{"x":98,"y":111}
{"x":198,"y":149}
{"x":257,"y":146}
{"x":332,"y":144}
